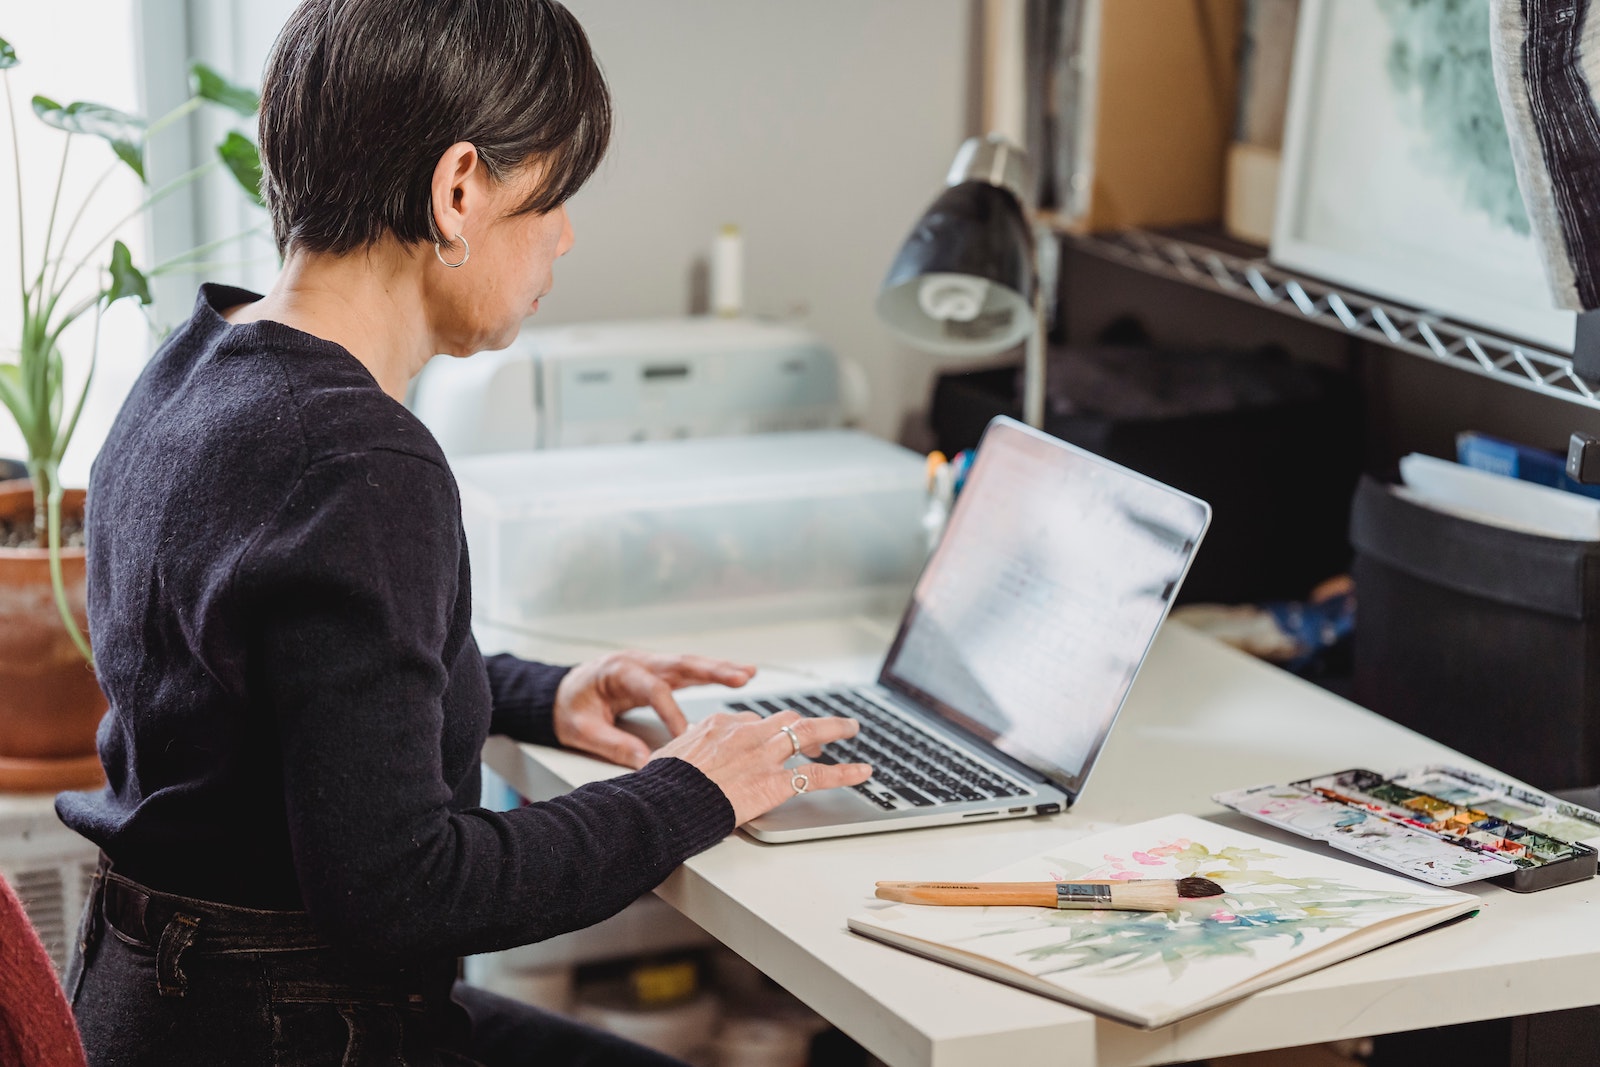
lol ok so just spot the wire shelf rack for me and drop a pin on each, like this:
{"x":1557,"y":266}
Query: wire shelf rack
{"x":1254,"y":280}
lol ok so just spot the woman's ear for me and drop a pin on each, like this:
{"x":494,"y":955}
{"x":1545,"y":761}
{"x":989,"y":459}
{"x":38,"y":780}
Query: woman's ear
{"x":456,"y":193}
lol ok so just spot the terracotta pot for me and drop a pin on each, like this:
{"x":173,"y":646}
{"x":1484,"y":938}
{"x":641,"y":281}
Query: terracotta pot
{"x":50,"y":703}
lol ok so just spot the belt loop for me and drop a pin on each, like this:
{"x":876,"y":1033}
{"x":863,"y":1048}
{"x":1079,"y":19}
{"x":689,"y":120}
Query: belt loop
{"x":177,"y":936}
{"x":88,"y":930}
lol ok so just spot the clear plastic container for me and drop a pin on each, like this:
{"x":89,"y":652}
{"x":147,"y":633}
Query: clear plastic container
{"x":713,"y":529}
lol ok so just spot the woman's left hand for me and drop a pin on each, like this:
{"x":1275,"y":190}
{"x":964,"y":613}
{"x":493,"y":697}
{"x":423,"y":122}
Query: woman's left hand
{"x":594,"y":693}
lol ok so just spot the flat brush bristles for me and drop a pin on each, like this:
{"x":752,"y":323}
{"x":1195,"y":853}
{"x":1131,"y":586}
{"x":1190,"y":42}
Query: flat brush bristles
{"x":1142,"y":895}
{"x":1198,"y":888}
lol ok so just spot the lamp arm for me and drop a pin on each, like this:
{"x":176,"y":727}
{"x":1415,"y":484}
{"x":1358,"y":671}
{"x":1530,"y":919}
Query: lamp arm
{"x":1047,"y":270}
{"x":1033,"y":354}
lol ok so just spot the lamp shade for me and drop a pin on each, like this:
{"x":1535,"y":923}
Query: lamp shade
{"x":963,"y":281}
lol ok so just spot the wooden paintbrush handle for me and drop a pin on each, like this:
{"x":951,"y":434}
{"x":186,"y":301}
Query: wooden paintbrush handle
{"x":992,"y":894}
{"x":1074,"y":881}
{"x":1133,"y":895}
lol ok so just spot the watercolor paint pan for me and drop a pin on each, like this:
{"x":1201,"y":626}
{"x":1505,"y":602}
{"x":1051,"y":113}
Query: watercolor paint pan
{"x":1465,"y":825}
{"x":1507,"y":800}
{"x":1447,"y":837}
{"x":1542,"y":861}
{"x":1367,"y":835}
{"x":1435,"y":795}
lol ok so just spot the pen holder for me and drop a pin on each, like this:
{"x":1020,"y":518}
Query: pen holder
{"x":1483,"y":638}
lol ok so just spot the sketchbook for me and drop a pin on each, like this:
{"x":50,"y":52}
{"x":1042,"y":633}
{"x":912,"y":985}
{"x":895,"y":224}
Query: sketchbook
{"x":1284,"y":913}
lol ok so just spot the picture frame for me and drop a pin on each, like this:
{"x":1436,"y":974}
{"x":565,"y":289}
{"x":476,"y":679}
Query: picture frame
{"x":1397,"y":176}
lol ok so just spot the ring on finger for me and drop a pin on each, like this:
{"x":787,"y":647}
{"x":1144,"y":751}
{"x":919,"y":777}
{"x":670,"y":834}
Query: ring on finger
{"x":800,"y":782}
{"x":793,"y":739}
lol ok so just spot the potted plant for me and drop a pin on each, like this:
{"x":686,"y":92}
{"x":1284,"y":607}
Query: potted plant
{"x":50,"y":704}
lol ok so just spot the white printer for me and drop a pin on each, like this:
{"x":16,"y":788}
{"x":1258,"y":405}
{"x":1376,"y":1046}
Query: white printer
{"x":616,"y":382}
{"x":622,"y":477}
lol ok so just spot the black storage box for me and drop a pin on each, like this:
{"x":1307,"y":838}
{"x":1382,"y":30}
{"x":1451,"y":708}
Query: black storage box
{"x":1273,"y":446}
{"x":1482,"y":638}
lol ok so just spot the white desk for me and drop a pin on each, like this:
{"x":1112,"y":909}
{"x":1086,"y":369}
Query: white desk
{"x":1202,"y":718}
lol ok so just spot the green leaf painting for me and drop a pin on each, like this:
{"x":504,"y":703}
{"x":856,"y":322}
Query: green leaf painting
{"x":1259,"y":907}
{"x":1440,"y":66}
{"x":124,"y":132}
{"x":126,"y":279}
{"x":207,"y":84}
{"x":243,"y":161}
{"x":8,"y":55}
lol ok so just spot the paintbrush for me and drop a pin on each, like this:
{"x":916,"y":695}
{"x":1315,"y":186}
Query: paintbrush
{"x":1148,"y":894}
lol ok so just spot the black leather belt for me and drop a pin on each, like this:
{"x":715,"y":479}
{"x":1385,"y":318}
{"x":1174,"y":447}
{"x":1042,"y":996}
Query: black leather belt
{"x":144,"y":915}
{"x":136,"y":913}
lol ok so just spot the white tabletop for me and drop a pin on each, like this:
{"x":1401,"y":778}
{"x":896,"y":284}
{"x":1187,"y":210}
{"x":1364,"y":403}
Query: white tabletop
{"x":1202,"y":718}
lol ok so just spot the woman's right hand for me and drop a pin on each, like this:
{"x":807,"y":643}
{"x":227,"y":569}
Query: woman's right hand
{"x":745,"y":755}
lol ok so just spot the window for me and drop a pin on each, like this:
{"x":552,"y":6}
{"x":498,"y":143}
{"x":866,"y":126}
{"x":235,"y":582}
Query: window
{"x":73,"y":50}
{"x":132,"y":55}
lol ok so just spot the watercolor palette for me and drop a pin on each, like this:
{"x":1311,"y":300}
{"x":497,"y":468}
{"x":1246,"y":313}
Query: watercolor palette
{"x":1441,"y":825}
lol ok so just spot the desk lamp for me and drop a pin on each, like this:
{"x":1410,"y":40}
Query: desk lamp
{"x":974,"y":276}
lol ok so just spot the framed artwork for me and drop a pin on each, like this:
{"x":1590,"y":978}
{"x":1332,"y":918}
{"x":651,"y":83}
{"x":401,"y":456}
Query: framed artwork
{"x":1397,"y":177}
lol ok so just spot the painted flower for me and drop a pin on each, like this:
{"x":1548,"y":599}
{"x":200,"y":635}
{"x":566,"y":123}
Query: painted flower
{"x":1221,"y":916}
{"x":1147,"y":859}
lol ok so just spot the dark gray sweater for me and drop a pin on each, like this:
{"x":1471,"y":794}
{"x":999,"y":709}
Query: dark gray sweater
{"x":278,"y":598}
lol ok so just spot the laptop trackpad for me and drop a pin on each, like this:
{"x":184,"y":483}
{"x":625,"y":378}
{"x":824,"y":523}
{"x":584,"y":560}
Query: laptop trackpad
{"x":828,"y":808}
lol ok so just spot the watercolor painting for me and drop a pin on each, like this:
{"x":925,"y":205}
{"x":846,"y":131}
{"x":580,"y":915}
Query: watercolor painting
{"x":1397,"y":176}
{"x":1280,"y":906}
{"x":1441,"y":75}
{"x":1260,"y":908}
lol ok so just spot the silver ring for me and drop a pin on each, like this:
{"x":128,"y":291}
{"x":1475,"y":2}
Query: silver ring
{"x":466,"y":252}
{"x":800,"y":782}
{"x":793,"y":740}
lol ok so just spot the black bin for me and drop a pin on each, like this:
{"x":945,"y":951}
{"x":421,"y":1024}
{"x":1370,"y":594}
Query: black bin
{"x":1483,"y":638}
{"x":1273,"y":446}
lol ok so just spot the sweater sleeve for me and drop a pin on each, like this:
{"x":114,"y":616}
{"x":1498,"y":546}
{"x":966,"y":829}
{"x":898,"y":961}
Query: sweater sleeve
{"x":349,"y":590}
{"x":524,"y":694}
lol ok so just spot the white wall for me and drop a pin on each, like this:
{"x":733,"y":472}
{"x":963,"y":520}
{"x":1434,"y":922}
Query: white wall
{"x":822,"y":128}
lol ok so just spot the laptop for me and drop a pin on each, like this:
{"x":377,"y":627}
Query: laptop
{"x":1023,"y":636}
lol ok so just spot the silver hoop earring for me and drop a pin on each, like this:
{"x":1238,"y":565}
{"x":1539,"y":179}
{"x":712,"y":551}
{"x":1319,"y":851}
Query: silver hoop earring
{"x":466,"y":252}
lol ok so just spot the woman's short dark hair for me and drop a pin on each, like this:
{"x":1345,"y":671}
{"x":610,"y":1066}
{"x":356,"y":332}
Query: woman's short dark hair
{"x":362,"y":97}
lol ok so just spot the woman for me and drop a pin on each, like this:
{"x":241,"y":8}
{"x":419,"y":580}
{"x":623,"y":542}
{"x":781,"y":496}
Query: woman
{"x":278,"y":583}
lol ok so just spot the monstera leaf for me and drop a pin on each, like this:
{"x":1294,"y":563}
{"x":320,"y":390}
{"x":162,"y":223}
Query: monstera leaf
{"x":207,"y":84}
{"x":124,"y":132}
{"x":243,"y":161}
{"x":126,"y":279}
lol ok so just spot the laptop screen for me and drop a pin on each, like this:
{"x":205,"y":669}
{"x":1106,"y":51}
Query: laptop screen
{"x":1032,"y":617}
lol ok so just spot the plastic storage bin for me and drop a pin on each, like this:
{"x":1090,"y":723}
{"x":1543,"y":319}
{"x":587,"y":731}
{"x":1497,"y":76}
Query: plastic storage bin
{"x":716,"y":531}
{"x":1483,"y":638}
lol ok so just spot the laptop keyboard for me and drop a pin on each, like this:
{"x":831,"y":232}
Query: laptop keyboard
{"x":910,"y":768}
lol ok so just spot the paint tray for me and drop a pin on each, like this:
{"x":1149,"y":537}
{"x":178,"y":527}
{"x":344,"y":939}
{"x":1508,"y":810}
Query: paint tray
{"x":1441,"y":825}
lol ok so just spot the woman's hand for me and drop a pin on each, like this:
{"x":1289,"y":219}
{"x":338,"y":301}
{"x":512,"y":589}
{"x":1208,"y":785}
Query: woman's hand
{"x":745,"y":755}
{"x":595,"y":693}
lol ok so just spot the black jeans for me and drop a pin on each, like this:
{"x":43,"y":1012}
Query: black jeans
{"x":166,"y":980}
